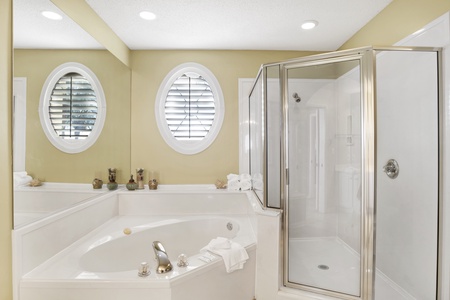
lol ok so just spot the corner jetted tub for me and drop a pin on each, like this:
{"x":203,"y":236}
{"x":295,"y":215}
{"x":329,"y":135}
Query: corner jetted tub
{"x":126,"y":249}
{"x":104,"y":264}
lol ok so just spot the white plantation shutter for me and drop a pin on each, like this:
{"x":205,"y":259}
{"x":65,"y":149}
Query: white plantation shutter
{"x":73,"y":107}
{"x":189,"y":107}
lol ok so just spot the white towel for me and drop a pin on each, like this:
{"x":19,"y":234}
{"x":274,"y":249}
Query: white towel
{"x":232,"y":177}
{"x":234,"y":255}
{"x":245,"y":177}
{"x":219,"y":243}
{"x":234,"y":185}
{"x":245,"y":185}
{"x":241,"y":182}
{"x":258,"y":185}
{"x":21,"y":178}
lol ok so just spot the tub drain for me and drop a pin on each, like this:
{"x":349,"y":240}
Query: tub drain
{"x":323,"y":267}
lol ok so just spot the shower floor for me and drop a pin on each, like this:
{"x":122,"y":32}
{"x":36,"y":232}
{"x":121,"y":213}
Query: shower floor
{"x":330,"y":264}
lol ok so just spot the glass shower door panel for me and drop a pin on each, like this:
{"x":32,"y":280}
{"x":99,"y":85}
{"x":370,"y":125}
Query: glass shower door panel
{"x":274,"y":114}
{"x":324,"y":161}
{"x":256,"y":130}
{"x":407,"y":205}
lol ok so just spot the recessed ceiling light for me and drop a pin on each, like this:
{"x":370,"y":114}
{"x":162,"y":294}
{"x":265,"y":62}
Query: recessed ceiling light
{"x":310,"y":24}
{"x":51,"y":15}
{"x":146,"y":15}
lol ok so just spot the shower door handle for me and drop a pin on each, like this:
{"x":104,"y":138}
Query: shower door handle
{"x":391,"y":169}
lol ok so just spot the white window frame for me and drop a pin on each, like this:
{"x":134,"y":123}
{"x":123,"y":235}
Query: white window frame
{"x":68,"y":145}
{"x":185,"y":146}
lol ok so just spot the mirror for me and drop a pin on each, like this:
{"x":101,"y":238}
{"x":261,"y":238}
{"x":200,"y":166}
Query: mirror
{"x":33,"y":152}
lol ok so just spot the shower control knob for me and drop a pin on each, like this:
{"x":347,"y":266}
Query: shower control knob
{"x":391,"y":169}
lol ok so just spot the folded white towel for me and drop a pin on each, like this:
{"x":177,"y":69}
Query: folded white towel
{"x":246,"y":177}
{"x":21,"y":178}
{"x":232,"y":177}
{"x":258,"y":185}
{"x":219,"y":243}
{"x":234,"y":185}
{"x":245,"y":185}
{"x":257,"y":176}
{"x":234,"y":255}
{"x":20,"y":174}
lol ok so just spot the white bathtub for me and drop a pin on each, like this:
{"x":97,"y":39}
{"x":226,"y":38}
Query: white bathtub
{"x":118,"y":251}
{"x":104,"y":264}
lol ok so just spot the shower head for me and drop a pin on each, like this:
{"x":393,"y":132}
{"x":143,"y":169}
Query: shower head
{"x":296,"y":97}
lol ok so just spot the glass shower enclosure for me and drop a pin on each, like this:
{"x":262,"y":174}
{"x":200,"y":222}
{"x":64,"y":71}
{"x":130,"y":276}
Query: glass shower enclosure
{"x":346,"y":144}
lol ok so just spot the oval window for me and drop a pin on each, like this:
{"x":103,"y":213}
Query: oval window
{"x":72,"y":108}
{"x":189,"y":108}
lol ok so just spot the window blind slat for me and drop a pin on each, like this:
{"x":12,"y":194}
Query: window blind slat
{"x":73,"y":107}
{"x":190,"y":107}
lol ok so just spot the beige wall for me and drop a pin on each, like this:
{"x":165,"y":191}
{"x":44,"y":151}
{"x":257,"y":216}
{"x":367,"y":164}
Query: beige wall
{"x":5,"y":149}
{"x":398,"y":20}
{"x":112,"y":148}
{"x":149,"y":150}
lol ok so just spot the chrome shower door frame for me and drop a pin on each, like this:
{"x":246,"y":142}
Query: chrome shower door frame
{"x":367,"y":63}
{"x":365,"y":58}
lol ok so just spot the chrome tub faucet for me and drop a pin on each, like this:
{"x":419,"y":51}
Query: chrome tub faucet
{"x":162,"y":258}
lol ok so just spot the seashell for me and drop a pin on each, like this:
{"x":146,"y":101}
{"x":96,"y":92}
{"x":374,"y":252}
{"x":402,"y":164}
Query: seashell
{"x":220,"y":184}
{"x":35,"y":182}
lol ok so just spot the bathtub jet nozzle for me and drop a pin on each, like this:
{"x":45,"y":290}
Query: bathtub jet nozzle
{"x":162,"y":258}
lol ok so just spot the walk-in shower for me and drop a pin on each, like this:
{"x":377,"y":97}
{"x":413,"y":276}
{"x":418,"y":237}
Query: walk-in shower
{"x":346,"y":144}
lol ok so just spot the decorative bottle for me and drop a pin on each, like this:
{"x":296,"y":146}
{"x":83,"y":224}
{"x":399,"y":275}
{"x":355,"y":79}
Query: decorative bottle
{"x":112,"y":184}
{"x":131,"y":185}
{"x":140,"y":178}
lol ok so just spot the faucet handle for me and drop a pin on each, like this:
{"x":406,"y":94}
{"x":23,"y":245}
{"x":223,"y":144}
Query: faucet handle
{"x":182,"y":260}
{"x":144,"y":270}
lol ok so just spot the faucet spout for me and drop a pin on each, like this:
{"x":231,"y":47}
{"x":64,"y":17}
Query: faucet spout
{"x":162,"y":258}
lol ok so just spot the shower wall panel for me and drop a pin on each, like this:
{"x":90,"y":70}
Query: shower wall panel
{"x":407,"y":206}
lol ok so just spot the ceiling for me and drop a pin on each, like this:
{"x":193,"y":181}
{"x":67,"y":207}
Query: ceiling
{"x":201,"y":24}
